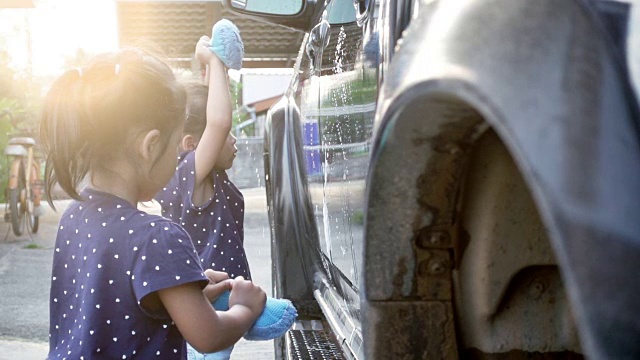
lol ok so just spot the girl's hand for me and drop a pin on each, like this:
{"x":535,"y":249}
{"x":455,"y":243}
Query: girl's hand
{"x":204,"y":55}
{"x":246,"y":293}
{"x":218,"y":283}
{"x":216,"y":276}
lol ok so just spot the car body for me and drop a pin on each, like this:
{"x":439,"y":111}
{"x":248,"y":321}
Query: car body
{"x":456,"y":179}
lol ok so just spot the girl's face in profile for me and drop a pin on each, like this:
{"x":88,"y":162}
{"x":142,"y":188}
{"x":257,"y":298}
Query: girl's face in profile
{"x":227,"y":154}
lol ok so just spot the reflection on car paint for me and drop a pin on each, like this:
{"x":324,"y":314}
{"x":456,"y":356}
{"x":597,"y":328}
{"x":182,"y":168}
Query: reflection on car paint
{"x":344,"y":117}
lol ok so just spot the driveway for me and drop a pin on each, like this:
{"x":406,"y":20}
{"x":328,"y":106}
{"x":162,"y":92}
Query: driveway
{"x":25,"y":273}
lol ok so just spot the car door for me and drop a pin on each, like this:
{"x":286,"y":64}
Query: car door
{"x":317,"y":145}
{"x":337,"y":147}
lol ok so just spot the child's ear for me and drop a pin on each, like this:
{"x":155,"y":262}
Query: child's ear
{"x":188,"y":143}
{"x":150,"y":144}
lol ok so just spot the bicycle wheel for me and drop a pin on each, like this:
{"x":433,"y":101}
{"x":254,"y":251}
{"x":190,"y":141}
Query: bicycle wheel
{"x":15,"y":204}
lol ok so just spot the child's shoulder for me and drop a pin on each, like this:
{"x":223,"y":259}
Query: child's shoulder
{"x":159,"y":226}
{"x":185,"y":169}
{"x":186,"y":158}
{"x":158,"y":234}
{"x":111,"y":215}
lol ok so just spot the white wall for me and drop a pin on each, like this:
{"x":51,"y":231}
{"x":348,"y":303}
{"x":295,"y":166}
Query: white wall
{"x":260,"y":84}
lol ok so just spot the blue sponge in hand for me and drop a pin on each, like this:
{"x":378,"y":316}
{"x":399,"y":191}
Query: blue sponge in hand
{"x":274,"y":321}
{"x":227,"y":44}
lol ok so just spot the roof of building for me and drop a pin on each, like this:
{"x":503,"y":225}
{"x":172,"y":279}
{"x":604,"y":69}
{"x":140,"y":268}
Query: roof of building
{"x":264,"y":104}
{"x":173,"y":27}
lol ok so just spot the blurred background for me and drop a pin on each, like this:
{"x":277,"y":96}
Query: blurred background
{"x":40,"y":39}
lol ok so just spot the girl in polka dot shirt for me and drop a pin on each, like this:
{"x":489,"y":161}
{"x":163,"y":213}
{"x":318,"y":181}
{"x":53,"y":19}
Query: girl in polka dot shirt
{"x":126,"y":284}
{"x":200,"y":196}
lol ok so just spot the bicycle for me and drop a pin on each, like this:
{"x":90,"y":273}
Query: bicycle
{"x":24,"y":186}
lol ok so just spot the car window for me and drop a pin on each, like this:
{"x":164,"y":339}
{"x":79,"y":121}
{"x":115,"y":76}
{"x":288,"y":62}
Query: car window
{"x":341,"y":12}
{"x":338,"y":141}
{"x":336,"y":136}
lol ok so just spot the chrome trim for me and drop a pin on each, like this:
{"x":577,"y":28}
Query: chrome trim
{"x":338,"y":317}
{"x":239,"y":4}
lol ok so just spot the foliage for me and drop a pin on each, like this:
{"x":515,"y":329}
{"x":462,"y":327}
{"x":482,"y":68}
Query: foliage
{"x":6,"y":107}
{"x":240,"y":113}
{"x":20,"y":103}
{"x":235,"y":88}
{"x":32,"y":246}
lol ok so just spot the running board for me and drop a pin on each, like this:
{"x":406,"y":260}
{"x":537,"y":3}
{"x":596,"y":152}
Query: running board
{"x":308,"y":340}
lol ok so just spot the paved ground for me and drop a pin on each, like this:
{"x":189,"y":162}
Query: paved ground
{"x":25,"y":272}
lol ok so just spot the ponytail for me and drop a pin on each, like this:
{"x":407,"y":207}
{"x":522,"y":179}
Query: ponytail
{"x":92,"y":116}
{"x":62,"y":135}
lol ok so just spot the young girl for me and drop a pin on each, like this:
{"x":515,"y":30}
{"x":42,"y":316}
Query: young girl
{"x":211,"y":209}
{"x":200,"y":196}
{"x":127,"y":284}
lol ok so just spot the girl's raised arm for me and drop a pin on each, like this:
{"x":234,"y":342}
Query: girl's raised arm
{"x":218,"y":112}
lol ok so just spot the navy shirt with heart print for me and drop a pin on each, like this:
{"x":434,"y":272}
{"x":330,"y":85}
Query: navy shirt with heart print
{"x":108,"y":257}
{"x":216,"y":227}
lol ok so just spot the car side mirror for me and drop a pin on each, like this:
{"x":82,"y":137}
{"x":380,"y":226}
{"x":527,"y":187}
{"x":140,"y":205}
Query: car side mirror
{"x":268,"y":7}
{"x":294,"y":14}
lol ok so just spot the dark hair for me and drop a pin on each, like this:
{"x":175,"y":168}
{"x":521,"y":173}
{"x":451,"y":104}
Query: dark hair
{"x":91,"y":114}
{"x":196,"y":121}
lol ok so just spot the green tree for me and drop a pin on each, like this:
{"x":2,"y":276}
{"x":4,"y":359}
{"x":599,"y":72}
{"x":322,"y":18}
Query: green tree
{"x":235,"y":88}
{"x":20,"y":102}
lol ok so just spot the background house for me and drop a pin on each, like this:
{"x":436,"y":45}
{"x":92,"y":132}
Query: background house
{"x":173,"y":27}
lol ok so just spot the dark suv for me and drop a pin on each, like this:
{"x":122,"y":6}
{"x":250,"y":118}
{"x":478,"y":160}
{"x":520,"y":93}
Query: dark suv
{"x":456,"y":179}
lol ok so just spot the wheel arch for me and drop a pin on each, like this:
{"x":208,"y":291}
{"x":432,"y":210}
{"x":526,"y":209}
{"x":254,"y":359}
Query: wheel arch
{"x":571,"y":130}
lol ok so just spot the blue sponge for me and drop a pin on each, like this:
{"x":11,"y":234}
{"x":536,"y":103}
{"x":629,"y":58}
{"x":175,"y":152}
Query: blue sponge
{"x":227,"y":44}
{"x":274,"y":321}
